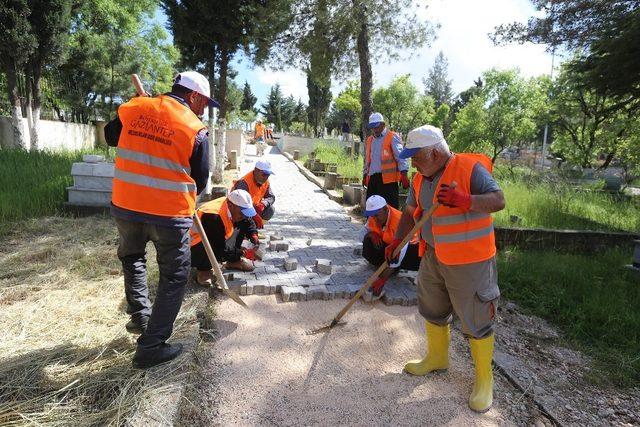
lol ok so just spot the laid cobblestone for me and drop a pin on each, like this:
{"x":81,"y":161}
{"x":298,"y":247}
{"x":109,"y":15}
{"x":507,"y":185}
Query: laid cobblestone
{"x":290,"y":264}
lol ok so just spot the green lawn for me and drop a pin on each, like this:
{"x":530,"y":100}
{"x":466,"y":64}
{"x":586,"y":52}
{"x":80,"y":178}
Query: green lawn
{"x":593,"y":299}
{"x":33,"y":183}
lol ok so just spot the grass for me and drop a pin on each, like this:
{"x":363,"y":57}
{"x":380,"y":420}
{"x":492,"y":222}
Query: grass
{"x":594,"y":300}
{"x":34,"y":183}
{"x":65,"y":357}
{"x":334,"y":153}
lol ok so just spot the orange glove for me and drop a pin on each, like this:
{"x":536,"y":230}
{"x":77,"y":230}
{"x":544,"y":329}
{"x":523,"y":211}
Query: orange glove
{"x":250,"y":254}
{"x":377,"y":286}
{"x":404,"y":179}
{"x":258,"y":220}
{"x":453,"y":198}
{"x":388,"y":252}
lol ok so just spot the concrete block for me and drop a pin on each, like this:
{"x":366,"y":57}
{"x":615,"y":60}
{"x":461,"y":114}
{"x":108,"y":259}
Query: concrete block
{"x":317,"y":292}
{"x":352,"y":288}
{"x":258,"y":289}
{"x":84,"y":197}
{"x":330,"y":180}
{"x":275,"y":237}
{"x":92,"y":158}
{"x":296,"y":154}
{"x":228,"y":277}
{"x":323,"y":266}
{"x":290,"y":264}
{"x":236,"y":286}
{"x":293,"y":293}
{"x":282,"y":247}
{"x":93,"y":182}
{"x":260,"y":252}
{"x":233,"y":159}
{"x":93,"y":169}
{"x":357,"y":251}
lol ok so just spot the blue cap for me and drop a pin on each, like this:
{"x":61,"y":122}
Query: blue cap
{"x":264,"y":166}
{"x":374,"y":125}
{"x":409,"y":152}
{"x":213,"y":103}
{"x":249,"y":212}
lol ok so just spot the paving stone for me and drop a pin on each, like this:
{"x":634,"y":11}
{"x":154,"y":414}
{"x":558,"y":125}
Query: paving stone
{"x":275,"y":237}
{"x":282,"y":247}
{"x":290,"y":264}
{"x":323,"y":266}
{"x":228,"y":277}
{"x":357,"y":251}
{"x":317,"y":292}
{"x":258,"y":289}
{"x":236,"y":286}
{"x":293,"y":293}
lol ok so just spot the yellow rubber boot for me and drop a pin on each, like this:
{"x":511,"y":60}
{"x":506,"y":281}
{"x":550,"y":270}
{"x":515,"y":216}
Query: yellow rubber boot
{"x":437,"y":357}
{"x":482,"y":353}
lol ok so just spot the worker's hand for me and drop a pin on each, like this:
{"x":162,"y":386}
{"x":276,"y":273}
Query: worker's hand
{"x":453,"y":198}
{"x":404,"y":179}
{"x":364,"y":180}
{"x":250,"y":254}
{"x":254,"y":239}
{"x":375,"y":238}
{"x":377,"y":286}
{"x":388,"y":252}
{"x":258,"y":220}
{"x":260,"y":208}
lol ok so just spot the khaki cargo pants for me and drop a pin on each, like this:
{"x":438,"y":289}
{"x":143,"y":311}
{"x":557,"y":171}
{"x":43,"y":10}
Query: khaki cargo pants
{"x":471,"y":290}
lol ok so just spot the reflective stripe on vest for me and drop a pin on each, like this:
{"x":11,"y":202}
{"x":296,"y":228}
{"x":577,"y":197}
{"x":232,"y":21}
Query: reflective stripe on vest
{"x":460,"y":237}
{"x":257,"y":192}
{"x":152,"y":168}
{"x":218,"y":207}
{"x":389,"y":165}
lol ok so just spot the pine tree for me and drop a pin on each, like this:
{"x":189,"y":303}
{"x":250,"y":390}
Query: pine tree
{"x":436,"y":84}
{"x":272,"y":109}
{"x":248,"y":99}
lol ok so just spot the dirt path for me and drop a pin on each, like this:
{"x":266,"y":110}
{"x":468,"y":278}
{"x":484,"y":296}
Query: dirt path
{"x":264,"y":369}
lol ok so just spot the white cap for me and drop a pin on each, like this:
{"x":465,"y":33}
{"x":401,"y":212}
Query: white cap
{"x":264,"y":166}
{"x":197,"y":82}
{"x":375,"y":119}
{"x":374,"y":204}
{"x":242,"y":199}
{"x":424,"y":136}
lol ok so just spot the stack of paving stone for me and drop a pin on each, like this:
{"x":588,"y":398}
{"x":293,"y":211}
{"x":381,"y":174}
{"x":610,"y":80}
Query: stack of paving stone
{"x":92,"y":182}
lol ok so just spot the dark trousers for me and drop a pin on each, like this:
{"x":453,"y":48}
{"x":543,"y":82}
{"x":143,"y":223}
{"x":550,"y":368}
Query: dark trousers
{"x":174,"y":263}
{"x":200,"y":260}
{"x":388,"y":191}
{"x":375,"y":254}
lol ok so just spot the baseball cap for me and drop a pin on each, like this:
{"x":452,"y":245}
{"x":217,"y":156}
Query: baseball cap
{"x":242,"y":199}
{"x":264,"y":166}
{"x":424,"y":136}
{"x":375,"y":120}
{"x":374,"y":204}
{"x":197,"y":82}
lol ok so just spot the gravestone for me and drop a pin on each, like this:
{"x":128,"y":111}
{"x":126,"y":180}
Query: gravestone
{"x":92,"y":182}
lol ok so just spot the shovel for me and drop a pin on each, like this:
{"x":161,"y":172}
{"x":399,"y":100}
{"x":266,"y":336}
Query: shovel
{"x":379,"y":271}
{"x":214,"y":263}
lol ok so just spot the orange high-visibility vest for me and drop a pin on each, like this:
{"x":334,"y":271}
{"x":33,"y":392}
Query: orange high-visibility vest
{"x":259,"y":130}
{"x":152,"y":160}
{"x":390,"y":228}
{"x":257,"y":192}
{"x":459,"y":237}
{"x":218,"y":207}
{"x":390,"y":172}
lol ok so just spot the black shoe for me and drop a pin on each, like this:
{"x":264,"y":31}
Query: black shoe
{"x":144,"y":359}
{"x":137,"y":326}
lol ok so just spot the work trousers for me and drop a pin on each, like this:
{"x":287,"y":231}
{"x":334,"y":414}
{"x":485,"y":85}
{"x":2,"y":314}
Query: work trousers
{"x":174,"y":263}
{"x":375,"y":254}
{"x":200,"y":260}
{"x":388,"y":191}
{"x":471,"y":290}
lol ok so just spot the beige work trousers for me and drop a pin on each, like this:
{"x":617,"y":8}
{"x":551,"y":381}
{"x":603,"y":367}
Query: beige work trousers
{"x":471,"y":290}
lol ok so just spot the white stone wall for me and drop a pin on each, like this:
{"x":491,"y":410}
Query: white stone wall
{"x":56,"y":136}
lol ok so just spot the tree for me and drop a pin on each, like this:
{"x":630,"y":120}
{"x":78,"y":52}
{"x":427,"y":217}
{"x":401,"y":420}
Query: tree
{"x":436,"y":83}
{"x":347,"y":106}
{"x":607,"y":31}
{"x":504,"y":114}
{"x":272,"y":109}
{"x":402,"y":105}
{"x":467,"y":95}
{"x":17,"y":45}
{"x":248,"y":98}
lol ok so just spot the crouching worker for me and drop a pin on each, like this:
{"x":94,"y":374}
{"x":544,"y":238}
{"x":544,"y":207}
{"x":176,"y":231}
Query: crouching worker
{"x":378,"y":232}
{"x":256,"y":183}
{"x":227,"y":222}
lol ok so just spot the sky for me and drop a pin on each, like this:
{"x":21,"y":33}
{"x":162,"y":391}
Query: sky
{"x":462,"y":37}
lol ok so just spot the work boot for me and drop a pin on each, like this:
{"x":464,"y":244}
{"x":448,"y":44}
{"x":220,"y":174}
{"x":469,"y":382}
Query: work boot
{"x":144,"y":359}
{"x":437,"y":357}
{"x":137,"y":326}
{"x":242,"y":264}
{"x":482,"y":353}
{"x":204,"y":278}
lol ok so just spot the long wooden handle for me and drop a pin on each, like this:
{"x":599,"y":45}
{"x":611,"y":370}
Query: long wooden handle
{"x":385,"y":264}
{"x":214,"y":263}
{"x":137,"y":83}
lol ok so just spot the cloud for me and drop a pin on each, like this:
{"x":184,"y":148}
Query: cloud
{"x":292,"y":82}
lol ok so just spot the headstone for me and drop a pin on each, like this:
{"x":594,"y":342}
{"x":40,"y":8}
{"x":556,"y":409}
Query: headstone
{"x":330,"y":180}
{"x":332,"y":168}
{"x":296,"y":155}
{"x":92,"y":182}
{"x":233,"y":159}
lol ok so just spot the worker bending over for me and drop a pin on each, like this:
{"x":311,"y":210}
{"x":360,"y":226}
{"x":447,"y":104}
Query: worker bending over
{"x":458,"y":268}
{"x":256,"y":183}
{"x":378,"y":232}
{"x":227,"y":222}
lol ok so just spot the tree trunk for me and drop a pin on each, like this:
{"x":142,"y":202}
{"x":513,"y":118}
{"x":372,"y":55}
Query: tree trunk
{"x":211,"y":120}
{"x":221,"y":134}
{"x":33,"y":87}
{"x":19,"y":137}
{"x":366,"y":75}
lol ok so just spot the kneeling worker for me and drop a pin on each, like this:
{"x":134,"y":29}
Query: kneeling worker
{"x":458,"y":268}
{"x":378,"y":232}
{"x":219,"y":219}
{"x":256,"y":183}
